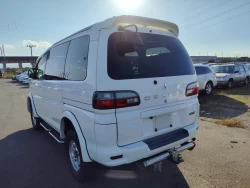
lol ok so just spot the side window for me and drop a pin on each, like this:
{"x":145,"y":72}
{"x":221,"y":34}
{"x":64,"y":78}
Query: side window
{"x":56,"y":61}
{"x":246,"y":67}
{"x":199,"y":70}
{"x":236,"y":68}
{"x":206,"y":70}
{"x":41,"y":66}
{"x":241,"y":69}
{"x":77,"y":59}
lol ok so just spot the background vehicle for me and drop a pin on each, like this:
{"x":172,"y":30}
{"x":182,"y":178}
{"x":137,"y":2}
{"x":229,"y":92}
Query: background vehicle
{"x":26,"y":80}
{"x":247,"y":68}
{"x":230,"y":74}
{"x":22,"y":76}
{"x":115,"y":93}
{"x":206,"y":78}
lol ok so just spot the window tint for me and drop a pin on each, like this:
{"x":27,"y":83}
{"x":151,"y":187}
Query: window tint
{"x":224,"y":69}
{"x":77,"y":58}
{"x":206,"y":70}
{"x":56,"y":61}
{"x":236,"y":68}
{"x":41,"y":66}
{"x":159,"y":56}
{"x":198,"y":70}
{"x":241,"y":69}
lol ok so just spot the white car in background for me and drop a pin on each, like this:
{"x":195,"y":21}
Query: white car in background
{"x":22,"y":76}
{"x":247,"y":67}
{"x":26,"y":80}
{"x":206,"y":78}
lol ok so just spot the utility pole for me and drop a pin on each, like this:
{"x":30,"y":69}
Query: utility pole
{"x":31,"y":46}
{"x":2,"y":51}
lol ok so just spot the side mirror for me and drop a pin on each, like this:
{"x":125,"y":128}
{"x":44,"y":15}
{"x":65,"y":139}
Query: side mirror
{"x":236,"y":71}
{"x":35,"y":73}
{"x":31,"y":73}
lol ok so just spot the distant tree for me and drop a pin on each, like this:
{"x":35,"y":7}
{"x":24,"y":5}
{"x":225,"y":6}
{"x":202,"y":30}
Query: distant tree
{"x":211,"y":61}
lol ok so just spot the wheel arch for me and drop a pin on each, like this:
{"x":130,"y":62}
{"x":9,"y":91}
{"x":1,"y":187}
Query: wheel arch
{"x":31,"y":104}
{"x":210,"y":81}
{"x":68,"y":116}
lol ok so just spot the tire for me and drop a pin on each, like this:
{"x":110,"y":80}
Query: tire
{"x":209,"y":88}
{"x":35,"y":121}
{"x":246,"y":81}
{"x":80,"y":170}
{"x":230,"y":84}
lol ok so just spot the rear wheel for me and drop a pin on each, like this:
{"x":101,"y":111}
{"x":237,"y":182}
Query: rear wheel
{"x":209,"y":88}
{"x":80,"y":170}
{"x":230,"y":84}
{"x":246,"y":81}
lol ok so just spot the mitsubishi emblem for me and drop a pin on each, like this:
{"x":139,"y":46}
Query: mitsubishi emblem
{"x":165,"y":86}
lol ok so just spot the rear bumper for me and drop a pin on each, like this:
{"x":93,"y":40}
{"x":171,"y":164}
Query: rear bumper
{"x":136,"y":151}
{"x":222,"y":83}
{"x":156,"y":159}
{"x":26,"y":81}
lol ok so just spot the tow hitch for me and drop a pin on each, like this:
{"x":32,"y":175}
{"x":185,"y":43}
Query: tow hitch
{"x":173,"y":154}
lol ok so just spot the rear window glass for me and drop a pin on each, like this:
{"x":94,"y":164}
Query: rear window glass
{"x":159,"y":56}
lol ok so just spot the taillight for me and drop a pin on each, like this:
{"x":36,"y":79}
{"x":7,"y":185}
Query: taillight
{"x":192,"y":89}
{"x":215,"y":74}
{"x":115,"y":99}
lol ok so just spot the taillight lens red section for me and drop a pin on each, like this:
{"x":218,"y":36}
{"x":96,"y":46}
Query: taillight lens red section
{"x":214,"y":74}
{"x":115,"y":99}
{"x":192,"y":89}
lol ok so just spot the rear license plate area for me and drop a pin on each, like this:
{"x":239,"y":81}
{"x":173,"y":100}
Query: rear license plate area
{"x":164,"y":121}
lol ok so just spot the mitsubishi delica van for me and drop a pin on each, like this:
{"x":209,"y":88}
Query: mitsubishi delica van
{"x":120,"y":91}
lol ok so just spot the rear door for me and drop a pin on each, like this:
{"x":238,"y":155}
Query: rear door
{"x":237,"y":77}
{"x":242,"y":73}
{"x":159,"y":71}
{"x":200,"y":77}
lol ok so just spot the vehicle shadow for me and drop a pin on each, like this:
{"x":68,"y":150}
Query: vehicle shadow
{"x":32,"y":158}
{"x":25,"y":86}
{"x":239,"y":89}
{"x":221,"y":107}
{"x":11,"y":81}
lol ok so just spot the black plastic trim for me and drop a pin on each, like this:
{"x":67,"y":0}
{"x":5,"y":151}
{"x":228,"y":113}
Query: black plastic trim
{"x":165,"y":139}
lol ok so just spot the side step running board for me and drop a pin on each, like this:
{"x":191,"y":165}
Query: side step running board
{"x":52,"y":132}
{"x":170,"y":153}
{"x":46,"y":127}
{"x":58,"y":140}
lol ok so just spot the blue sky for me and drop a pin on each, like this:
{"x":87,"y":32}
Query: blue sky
{"x":43,"y":22}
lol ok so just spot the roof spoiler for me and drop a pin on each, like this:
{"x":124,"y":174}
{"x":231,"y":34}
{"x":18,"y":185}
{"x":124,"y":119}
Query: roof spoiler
{"x":109,"y":23}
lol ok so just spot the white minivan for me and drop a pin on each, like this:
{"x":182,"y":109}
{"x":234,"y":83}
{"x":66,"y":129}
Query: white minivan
{"x":119,"y":91}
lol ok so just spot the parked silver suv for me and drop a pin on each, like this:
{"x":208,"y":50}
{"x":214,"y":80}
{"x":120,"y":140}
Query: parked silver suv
{"x":229,"y":74}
